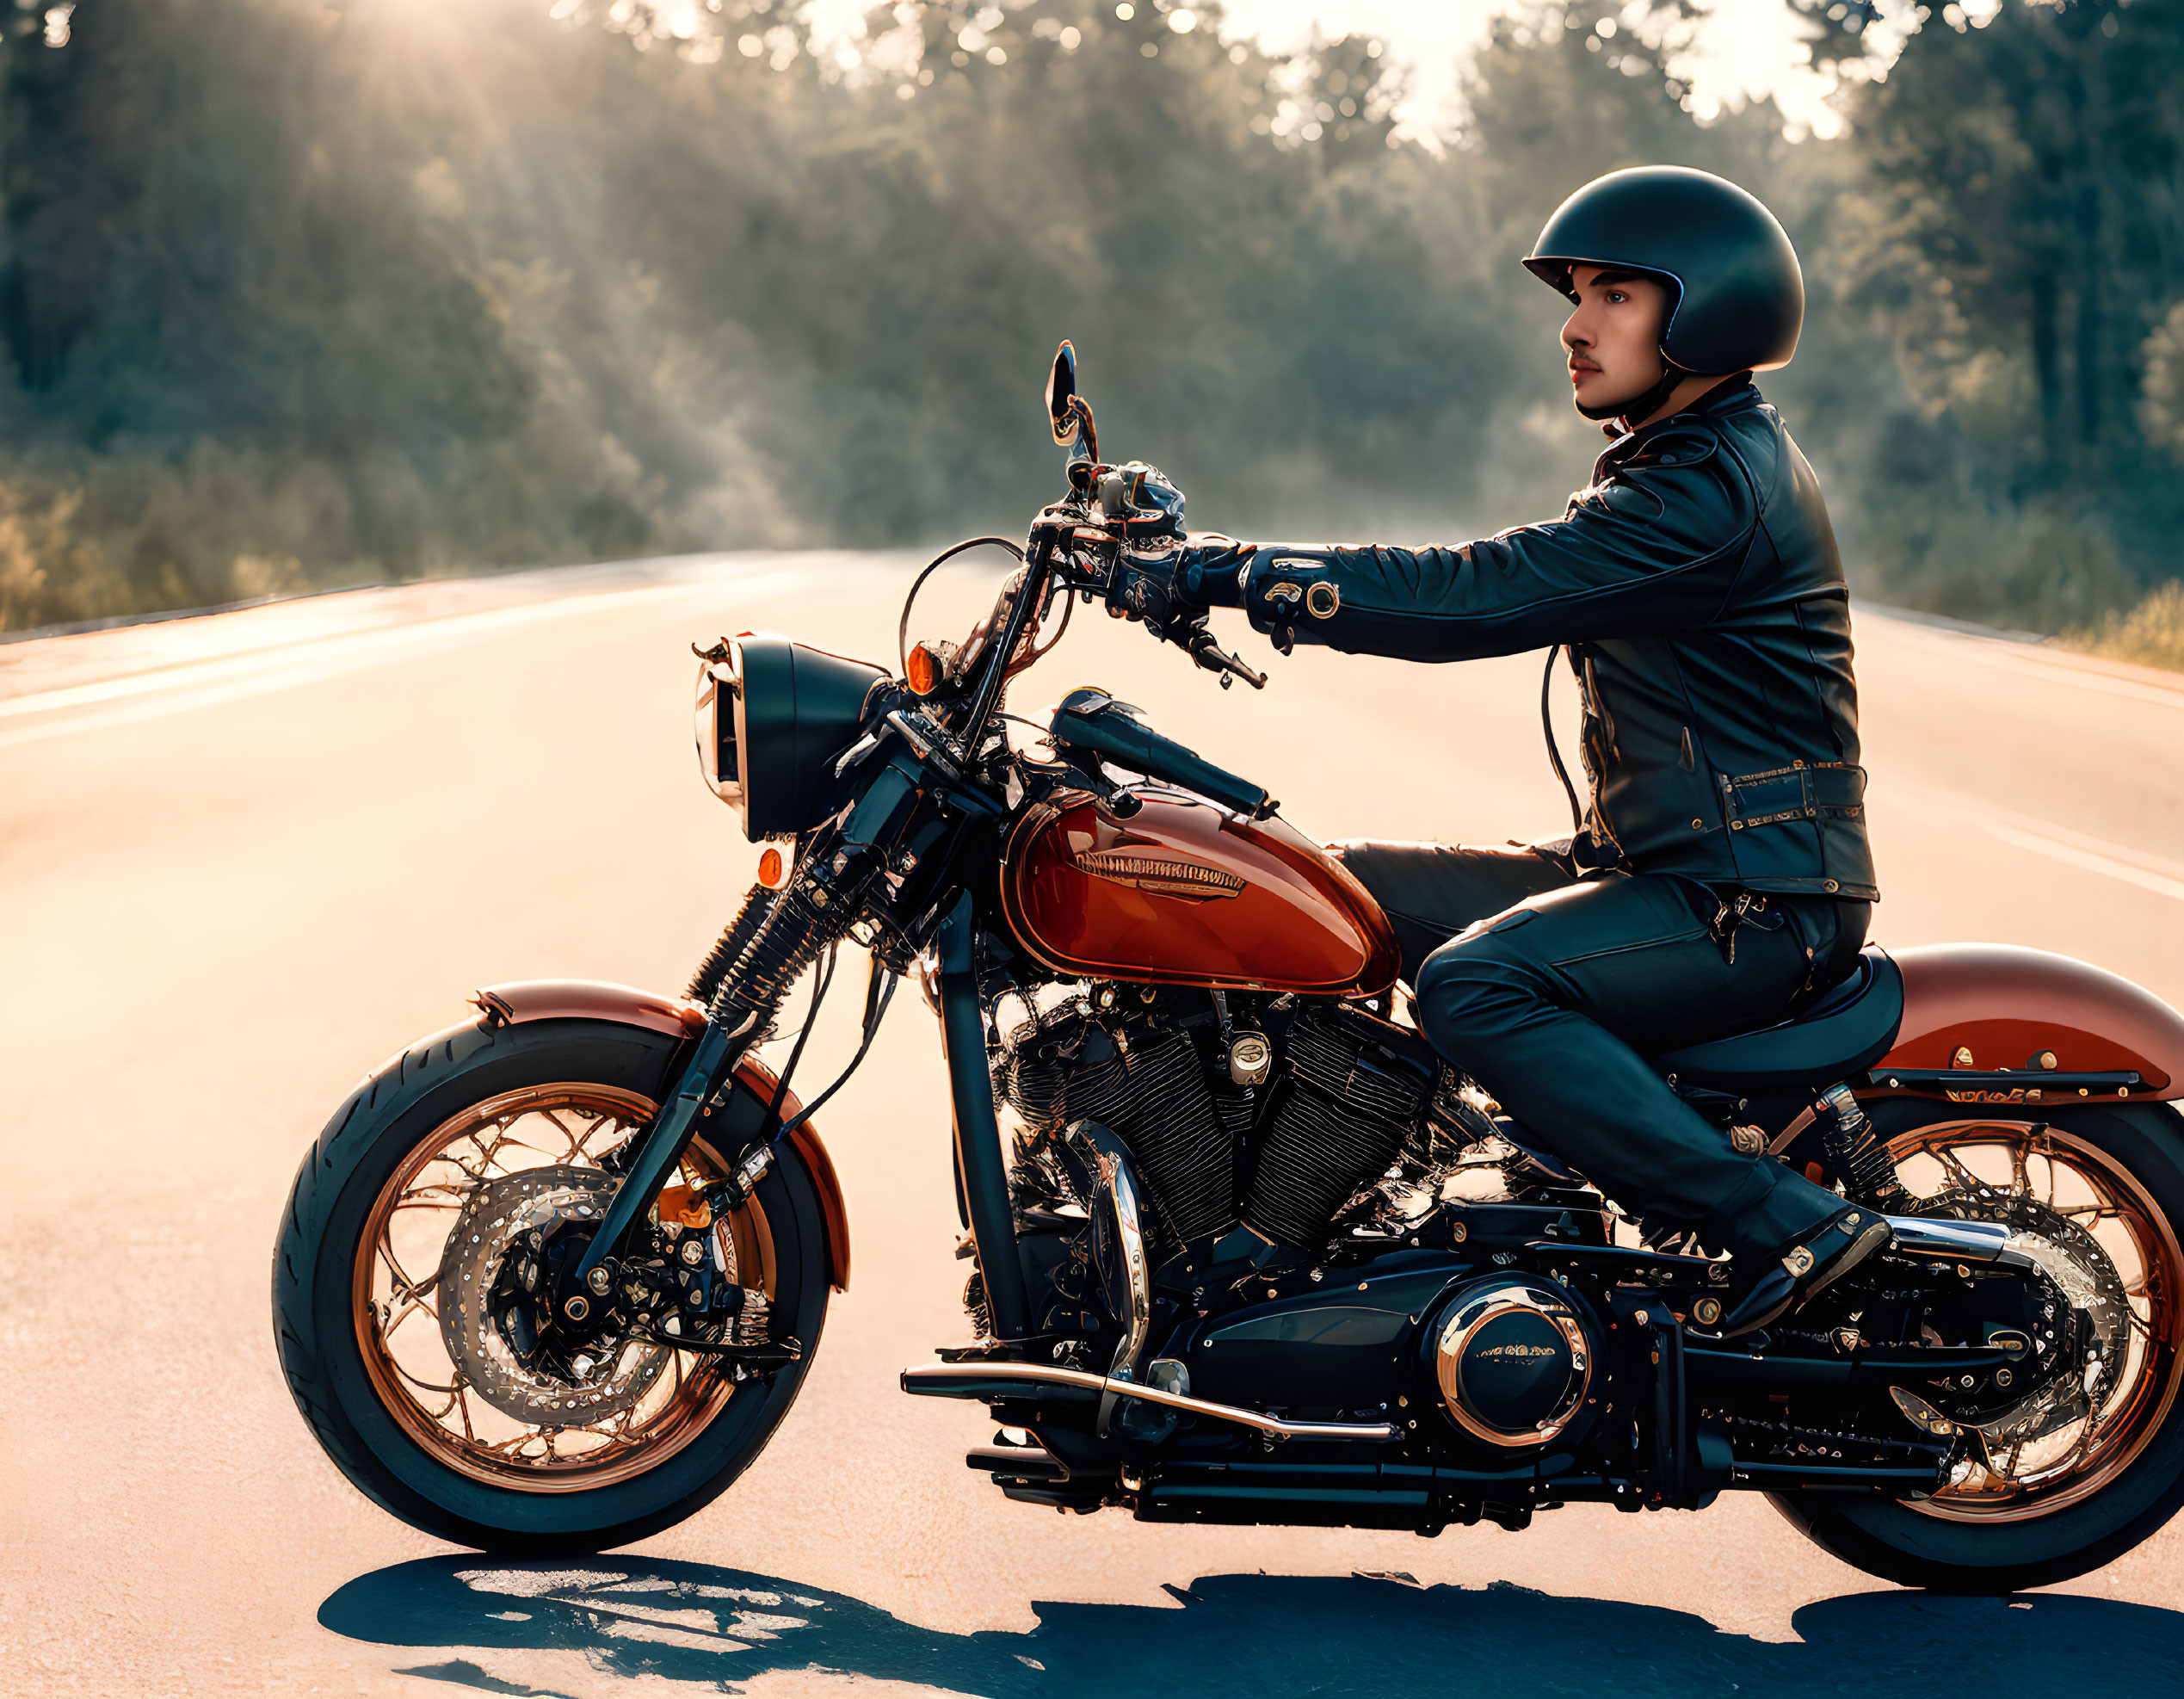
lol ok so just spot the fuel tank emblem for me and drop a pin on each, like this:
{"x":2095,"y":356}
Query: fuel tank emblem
{"x":1162,"y":877}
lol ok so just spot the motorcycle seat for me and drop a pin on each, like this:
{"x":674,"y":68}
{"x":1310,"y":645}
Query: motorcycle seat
{"x":1846,"y":1032}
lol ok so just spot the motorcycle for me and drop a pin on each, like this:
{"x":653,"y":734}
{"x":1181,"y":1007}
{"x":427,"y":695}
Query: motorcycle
{"x":1250,"y":1251}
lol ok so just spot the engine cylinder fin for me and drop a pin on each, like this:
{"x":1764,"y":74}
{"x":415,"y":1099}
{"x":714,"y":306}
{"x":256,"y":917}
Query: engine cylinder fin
{"x":1315,"y":1156}
{"x":1150,"y":1090}
{"x":1352,"y":1100}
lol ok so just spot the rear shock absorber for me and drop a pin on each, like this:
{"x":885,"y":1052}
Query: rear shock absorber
{"x":1855,"y":1151}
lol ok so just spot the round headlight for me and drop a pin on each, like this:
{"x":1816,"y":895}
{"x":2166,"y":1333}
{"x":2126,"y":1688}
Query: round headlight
{"x":773,"y":716}
{"x":720,"y":753}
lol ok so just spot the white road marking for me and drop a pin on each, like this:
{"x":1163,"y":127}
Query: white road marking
{"x":2067,"y":844}
{"x":2054,"y":666}
{"x":2042,"y":843}
{"x":177,"y":690}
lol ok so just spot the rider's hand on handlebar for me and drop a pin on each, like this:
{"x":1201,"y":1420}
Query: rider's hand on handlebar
{"x":1173,"y":587}
{"x":1146,"y":585}
{"x":1208,"y":571}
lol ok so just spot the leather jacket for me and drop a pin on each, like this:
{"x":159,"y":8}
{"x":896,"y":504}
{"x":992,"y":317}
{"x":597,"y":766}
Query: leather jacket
{"x":1696,"y":589}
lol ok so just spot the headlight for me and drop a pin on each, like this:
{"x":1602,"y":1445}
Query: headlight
{"x":773,"y":719}
{"x":720,"y":753}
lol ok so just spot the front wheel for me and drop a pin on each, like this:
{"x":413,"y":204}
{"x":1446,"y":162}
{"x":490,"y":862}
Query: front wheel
{"x":2095,"y":1465}
{"x":407,"y":1215}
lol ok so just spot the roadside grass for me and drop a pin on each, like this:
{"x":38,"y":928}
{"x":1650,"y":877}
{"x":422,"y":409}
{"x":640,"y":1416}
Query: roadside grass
{"x":2151,"y":634}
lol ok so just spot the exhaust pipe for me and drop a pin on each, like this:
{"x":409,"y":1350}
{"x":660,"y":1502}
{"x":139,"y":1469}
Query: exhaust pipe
{"x":1003,"y":1380}
{"x":1949,"y":1241}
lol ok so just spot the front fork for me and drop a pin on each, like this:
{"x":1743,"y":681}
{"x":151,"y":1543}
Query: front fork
{"x":760,"y":957}
{"x":793,"y":928}
{"x":658,"y":1150}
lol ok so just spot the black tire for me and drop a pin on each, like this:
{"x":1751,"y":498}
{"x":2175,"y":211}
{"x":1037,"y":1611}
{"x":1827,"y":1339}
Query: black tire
{"x":1892,"y":1539}
{"x":314,"y":1325}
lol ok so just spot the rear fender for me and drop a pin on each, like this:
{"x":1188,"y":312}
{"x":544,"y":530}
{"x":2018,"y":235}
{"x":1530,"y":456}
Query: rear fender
{"x":525,"y":1000}
{"x":2010,"y":1007}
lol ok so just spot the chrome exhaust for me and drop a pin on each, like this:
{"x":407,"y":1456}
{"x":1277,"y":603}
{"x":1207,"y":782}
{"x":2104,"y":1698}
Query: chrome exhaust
{"x":993,"y":1379}
{"x":1949,"y":1241}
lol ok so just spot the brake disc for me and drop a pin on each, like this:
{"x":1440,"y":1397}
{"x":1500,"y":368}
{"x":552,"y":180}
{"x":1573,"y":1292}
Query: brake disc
{"x":612,"y":1371}
{"x":2066,"y":1388}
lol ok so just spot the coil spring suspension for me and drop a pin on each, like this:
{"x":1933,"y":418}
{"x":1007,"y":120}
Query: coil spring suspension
{"x":783,"y":942}
{"x":1857,"y":1153}
{"x":735,"y":938}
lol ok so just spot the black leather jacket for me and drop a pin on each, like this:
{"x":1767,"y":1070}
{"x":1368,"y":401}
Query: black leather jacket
{"x":1697,"y":589}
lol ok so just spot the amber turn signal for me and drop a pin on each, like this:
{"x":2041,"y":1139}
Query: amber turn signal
{"x":773,"y":868}
{"x":924,"y":670}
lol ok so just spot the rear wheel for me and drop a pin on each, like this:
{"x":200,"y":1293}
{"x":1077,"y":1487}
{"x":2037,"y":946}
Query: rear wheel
{"x":405,"y":1219}
{"x":2093,"y":1464}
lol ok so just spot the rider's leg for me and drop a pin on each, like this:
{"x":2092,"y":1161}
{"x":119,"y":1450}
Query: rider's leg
{"x":1549,"y":1004}
{"x":1431,"y":892}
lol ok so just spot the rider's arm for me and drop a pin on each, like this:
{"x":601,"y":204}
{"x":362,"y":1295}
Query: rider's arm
{"x":1655,"y":545}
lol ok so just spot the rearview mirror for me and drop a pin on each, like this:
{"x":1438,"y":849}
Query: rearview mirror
{"x":1061,"y":395}
{"x":1070,"y":413}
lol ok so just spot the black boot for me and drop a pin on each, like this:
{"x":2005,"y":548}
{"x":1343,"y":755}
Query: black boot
{"x":1798,"y":1270}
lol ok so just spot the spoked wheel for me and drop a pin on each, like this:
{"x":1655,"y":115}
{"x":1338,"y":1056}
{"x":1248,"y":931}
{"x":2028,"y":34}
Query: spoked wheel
{"x":2090,"y":1459}
{"x":469,"y":1196}
{"x":407,"y":1286}
{"x":2105,"y":1244}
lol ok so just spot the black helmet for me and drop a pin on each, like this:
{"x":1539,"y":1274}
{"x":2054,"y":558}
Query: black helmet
{"x":1739,"y":297}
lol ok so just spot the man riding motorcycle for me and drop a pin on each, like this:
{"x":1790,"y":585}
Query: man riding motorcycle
{"x":1720,"y":877}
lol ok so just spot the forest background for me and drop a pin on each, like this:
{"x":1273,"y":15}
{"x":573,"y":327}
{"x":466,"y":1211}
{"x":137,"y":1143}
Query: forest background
{"x":296,"y":295}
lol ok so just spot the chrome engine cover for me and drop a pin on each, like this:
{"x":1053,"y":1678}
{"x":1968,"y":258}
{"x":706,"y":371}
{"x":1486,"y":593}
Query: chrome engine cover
{"x":1513,"y":1360}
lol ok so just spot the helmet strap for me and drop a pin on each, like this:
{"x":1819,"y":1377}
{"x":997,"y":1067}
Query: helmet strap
{"x":1645,"y":405}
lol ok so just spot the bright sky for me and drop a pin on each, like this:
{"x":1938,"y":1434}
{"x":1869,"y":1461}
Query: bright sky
{"x":1746,"y":47}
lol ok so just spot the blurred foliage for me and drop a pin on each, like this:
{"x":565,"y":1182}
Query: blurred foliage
{"x":295,"y":293}
{"x":2152,"y":633}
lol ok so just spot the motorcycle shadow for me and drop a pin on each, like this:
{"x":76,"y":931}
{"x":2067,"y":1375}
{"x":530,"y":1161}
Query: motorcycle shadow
{"x":1248,"y":1637}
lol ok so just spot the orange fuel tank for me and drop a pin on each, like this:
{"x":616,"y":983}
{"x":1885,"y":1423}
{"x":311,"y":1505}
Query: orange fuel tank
{"x":1184,"y":893}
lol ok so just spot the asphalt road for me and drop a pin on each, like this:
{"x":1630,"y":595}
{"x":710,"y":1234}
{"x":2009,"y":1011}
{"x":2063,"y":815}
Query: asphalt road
{"x":244,"y":857}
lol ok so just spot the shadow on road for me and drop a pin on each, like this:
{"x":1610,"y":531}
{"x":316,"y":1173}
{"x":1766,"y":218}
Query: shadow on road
{"x":1253,"y":1637}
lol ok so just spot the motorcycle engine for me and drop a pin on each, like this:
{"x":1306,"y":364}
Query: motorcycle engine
{"x":1282,"y":1156}
{"x":1145,"y":1080}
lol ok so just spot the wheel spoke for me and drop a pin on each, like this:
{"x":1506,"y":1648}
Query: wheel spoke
{"x":419,"y":1381}
{"x":563,"y":1128}
{"x":1947,"y":1157}
{"x":415,"y":1303}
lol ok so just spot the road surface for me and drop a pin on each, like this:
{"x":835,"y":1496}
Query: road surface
{"x":244,"y":857}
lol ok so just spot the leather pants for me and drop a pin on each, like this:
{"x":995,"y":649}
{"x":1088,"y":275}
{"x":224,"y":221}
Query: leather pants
{"x":1550,"y":985}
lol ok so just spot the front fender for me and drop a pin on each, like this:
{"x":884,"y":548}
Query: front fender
{"x":525,"y":1000}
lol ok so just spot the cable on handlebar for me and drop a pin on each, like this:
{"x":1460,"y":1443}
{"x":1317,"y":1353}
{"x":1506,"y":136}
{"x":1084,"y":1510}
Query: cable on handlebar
{"x":902,"y":631}
{"x":1043,"y":649}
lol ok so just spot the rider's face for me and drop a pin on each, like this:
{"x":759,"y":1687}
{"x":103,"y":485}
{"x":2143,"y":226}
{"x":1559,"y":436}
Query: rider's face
{"x":1614,"y":336}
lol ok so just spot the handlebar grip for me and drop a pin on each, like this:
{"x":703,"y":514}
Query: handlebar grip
{"x":1107,"y":732}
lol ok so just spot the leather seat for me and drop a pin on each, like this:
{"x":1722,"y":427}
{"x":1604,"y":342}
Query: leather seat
{"x":1849,"y":1030}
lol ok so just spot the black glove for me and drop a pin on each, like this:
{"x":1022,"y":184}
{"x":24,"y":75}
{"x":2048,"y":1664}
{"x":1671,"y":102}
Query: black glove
{"x":1211,"y":571}
{"x":1173,"y":587}
{"x":1144,"y":586}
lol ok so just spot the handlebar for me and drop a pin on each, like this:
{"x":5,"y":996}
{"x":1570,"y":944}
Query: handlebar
{"x":1093,"y":721}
